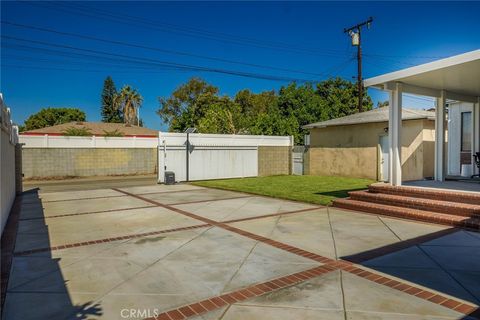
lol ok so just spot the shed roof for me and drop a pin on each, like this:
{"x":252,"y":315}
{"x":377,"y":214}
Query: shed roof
{"x":96,"y":128}
{"x":372,"y":116}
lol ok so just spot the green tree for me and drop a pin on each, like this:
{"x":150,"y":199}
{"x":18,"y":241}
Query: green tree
{"x":381,"y":104}
{"x":253,"y":105}
{"x":110,"y":113}
{"x":53,"y":116}
{"x":341,"y":97}
{"x":128,"y":101}
{"x":197,"y":104}
{"x":185,"y":106}
{"x":221,"y":116}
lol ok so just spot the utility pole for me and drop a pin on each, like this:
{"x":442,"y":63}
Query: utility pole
{"x":355,"y":34}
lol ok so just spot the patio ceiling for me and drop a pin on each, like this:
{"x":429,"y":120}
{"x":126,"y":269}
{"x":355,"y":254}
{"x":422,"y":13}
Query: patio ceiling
{"x":458,"y":75}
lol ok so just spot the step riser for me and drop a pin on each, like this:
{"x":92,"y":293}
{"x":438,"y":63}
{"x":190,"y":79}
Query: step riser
{"x":393,"y":213}
{"x":473,"y":213}
{"x":428,"y":194}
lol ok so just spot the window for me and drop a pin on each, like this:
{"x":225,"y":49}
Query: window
{"x":466,"y":133}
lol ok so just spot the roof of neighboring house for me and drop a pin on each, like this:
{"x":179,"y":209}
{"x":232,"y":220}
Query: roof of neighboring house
{"x":95,"y":128}
{"x":372,"y":116}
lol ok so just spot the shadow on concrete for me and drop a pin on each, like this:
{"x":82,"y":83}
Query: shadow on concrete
{"x":338,"y":193}
{"x":25,"y":296}
{"x":395,"y":260}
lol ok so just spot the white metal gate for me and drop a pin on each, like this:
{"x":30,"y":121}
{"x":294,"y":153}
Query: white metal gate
{"x":211,"y":156}
{"x":297,"y":159}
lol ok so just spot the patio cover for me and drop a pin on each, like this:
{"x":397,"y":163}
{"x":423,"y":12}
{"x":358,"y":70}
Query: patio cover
{"x":454,"y":78}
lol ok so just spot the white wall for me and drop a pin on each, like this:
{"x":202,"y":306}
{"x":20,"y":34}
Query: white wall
{"x":8,"y":139}
{"x":213,"y":156}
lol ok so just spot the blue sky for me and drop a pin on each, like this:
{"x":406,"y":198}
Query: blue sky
{"x":306,"y":36}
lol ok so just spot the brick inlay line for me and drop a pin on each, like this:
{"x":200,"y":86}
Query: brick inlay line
{"x":210,"y":304}
{"x":211,"y":200}
{"x":85,"y":213}
{"x":106,"y":240}
{"x":244,"y":233}
{"x":122,"y":195}
{"x":447,"y":302}
{"x":92,"y":242}
{"x":80,"y":199}
{"x":459,"y":306}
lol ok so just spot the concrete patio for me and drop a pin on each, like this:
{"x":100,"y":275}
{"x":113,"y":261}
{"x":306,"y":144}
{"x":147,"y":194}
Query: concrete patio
{"x":183,"y":251}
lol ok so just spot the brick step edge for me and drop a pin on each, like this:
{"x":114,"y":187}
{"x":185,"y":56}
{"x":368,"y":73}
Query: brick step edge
{"x":425,"y":193}
{"x":448,"y":207}
{"x":410,"y":214}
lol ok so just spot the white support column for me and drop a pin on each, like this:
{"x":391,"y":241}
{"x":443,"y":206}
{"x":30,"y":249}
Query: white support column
{"x":476,"y":132}
{"x":440,"y":137}
{"x":395,"y":135}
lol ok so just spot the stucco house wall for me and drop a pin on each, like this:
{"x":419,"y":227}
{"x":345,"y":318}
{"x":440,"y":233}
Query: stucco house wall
{"x":354,"y":150}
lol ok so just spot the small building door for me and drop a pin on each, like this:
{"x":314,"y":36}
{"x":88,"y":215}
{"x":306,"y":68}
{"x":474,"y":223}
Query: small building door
{"x":384,"y":153}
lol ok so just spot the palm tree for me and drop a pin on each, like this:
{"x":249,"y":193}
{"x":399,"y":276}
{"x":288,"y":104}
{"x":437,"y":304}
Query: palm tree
{"x":128,"y":100}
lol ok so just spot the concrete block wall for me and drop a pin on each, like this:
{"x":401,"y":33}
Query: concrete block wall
{"x":81,"y":162}
{"x":274,"y":160}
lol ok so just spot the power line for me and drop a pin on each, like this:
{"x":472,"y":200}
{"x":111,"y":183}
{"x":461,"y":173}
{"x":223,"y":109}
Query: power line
{"x":186,"y":31}
{"x":157,"y":49}
{"x":164,"y":63}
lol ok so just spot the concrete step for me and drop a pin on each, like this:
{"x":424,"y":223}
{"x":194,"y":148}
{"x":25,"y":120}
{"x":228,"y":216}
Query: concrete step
{"x":408,"y":213}
{"x":453,"y":208}
{"x":427,"y":193}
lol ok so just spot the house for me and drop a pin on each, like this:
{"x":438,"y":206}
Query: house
{"x":357,"y":145}
{"x":96,"y":129}
{"x":455,"y":83}
{"x":448,"y":199}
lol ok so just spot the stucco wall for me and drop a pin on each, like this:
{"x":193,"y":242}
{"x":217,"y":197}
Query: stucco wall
{"x":354,"y":150}
{"x":274,"y":160}
{"x":7,"y":175}
{"x":61,"y":162}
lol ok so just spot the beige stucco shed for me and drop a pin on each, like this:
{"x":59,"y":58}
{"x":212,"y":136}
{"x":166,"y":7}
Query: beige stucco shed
{"x":357,"y":145}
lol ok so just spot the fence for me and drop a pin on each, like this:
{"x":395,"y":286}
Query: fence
{"x":210,"y":156}
{"x":9,"y":139}
{"x":62,"y":156}
{"x":214,"y":156}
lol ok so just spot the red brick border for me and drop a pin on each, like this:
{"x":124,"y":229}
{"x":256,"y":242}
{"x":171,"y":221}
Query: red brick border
{"x":84,"y":213}
{"x":212,"y":200}
{"x":91,"y":242}
{"x":279,"y":283}
{"x":80,"y":199}
{"x":247,"y":234}
{"x":216,"y":302}
{"x":453,"y":304}
{"x":106,"y":240}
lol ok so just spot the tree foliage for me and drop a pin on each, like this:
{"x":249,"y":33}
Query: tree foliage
{"x":79,"y":132}
{"x":109,"y":111}
{"x":128,"y":101}
{"x":198,"y":104}
{"x":113,"y":133}
{"x":47,"y":117}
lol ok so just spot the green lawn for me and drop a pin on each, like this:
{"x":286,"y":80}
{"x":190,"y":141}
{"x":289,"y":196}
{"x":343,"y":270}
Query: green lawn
{"x":314,"y":189}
